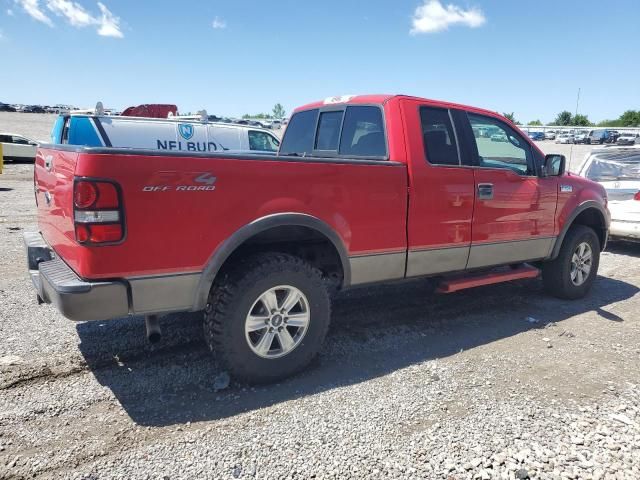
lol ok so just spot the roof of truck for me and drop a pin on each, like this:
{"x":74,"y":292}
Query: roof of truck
{"x":383,"y":98}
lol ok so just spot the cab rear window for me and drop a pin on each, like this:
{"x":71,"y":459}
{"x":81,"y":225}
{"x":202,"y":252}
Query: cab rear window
{"x":354,"y":131}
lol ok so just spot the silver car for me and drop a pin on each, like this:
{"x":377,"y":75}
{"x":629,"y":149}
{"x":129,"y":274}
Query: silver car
{"x":618,"y":171}
{"x":580,"y":136}
{"x":565,"y":138}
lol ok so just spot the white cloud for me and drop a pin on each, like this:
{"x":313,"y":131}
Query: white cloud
{"x":433,"y":17}
{"x":218,"y":23}
{"x":32,"y":7}
{"x":10,"y":12}
{"x":75,"y":14}
{"x":108,"y":25}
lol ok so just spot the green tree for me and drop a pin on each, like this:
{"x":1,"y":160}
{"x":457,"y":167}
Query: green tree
{"x":610,"y":123}
{"x":511,"y":116}
{"x":580,"y":120}
{"x":535,"y":123}
{"x":278,"y":111}
{"x":630,"y":118}
{"x":563,"y":118}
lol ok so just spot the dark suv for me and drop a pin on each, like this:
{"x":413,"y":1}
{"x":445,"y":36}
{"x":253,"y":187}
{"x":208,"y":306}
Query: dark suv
{"x":599,"y":136}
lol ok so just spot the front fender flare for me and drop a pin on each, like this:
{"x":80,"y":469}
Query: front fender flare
{"x":577,"y":211}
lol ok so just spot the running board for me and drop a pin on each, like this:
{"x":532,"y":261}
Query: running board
{"x":470,"y":281}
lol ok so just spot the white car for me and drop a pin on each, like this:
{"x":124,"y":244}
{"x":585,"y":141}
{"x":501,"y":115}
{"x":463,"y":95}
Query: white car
{"x":564,"y":138}
{"x":550,"y":135}
{"x":628,"y":139}
{"x":18,"y":147}
{"x":618,"y":171}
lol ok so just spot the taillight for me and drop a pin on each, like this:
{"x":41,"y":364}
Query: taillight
{"x":97,"y":213}
{"x":85,"y":194}
{"x":637,"y":195}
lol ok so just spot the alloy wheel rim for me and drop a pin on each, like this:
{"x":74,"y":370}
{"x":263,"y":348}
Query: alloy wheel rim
{"x":277,"y":321}
{"x":581,"y":264}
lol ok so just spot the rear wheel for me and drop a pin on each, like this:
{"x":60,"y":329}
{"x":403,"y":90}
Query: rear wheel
{"x":267,"y":317}
{"x":572,"y":273}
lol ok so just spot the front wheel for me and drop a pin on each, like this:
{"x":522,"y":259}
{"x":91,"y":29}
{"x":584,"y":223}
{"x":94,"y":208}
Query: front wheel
{"x":572,"y":273}
{"x":267,"y":317}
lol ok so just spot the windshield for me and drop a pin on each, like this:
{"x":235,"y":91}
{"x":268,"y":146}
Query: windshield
{"x":611,"y":166}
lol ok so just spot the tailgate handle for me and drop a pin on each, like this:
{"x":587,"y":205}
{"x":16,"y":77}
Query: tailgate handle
{"x":485,"y":191}
{"x":48,"y":162}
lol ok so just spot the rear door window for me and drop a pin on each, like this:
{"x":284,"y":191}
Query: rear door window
{"x":363,"y":133}
{"x":439,"y":137}
{"x":299,"y":136}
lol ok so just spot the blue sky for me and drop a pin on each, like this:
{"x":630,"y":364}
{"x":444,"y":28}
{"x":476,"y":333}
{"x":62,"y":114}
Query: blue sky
{"x":237,"y":56}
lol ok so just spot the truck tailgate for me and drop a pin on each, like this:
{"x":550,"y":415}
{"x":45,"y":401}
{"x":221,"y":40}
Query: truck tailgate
{"x":53,"y":182}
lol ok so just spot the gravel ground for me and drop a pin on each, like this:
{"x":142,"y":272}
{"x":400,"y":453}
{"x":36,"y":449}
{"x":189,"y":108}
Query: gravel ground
{"x":499,"y":382}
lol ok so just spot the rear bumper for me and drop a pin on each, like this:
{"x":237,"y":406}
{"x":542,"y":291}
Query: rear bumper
{"x":76,"y":299}
{"x":79,"y":299}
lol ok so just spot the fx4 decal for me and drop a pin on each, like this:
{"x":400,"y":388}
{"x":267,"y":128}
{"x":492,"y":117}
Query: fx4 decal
{"x":180,"y":182}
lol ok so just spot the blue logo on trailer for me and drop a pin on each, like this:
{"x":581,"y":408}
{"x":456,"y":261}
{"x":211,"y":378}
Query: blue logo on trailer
{"x":186,"y":130}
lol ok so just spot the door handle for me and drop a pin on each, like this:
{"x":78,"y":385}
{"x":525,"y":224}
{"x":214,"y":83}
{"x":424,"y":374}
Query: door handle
{"x":485,"y":191}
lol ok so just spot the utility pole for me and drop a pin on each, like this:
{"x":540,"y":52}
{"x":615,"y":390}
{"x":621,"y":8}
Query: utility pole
{"x":578,"y":101}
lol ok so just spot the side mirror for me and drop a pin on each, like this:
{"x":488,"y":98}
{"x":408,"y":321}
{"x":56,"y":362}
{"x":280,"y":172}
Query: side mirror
{"x":554,"y":165}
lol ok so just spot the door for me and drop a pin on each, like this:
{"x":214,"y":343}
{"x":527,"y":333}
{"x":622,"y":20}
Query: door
{"x":441,"y":191}
{"x":514,"y":215}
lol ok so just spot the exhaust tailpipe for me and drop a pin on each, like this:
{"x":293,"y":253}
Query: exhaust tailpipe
{"x":154,"y":334}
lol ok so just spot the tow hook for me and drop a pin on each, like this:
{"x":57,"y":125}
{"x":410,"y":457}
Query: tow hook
{"x":154,"y":333}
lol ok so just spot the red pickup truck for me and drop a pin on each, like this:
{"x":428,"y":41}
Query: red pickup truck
{"x":364,"y":189}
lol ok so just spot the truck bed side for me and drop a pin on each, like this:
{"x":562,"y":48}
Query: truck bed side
{"x":179,"y":209}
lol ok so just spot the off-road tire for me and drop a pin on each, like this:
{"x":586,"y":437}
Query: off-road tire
{"x":231,"y":298}
{"x":556,"y":274}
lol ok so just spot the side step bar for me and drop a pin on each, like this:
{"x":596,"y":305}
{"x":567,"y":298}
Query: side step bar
{"x":456,"y":284}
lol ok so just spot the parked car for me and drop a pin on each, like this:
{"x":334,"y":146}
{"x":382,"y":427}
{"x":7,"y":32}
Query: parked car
{"x":618,"y":171}
{"x":177,"y":134}
{"x":599,"y":135}
{"x":580,"y":136}
{"x":17,"y":147}
{"x":550,"y":135}
{"x":499,"y":137}
{"x":613,"y":136}
{"x":536,"y":136}
{"x":6,"y":108}
{"x":628,"y":139}
{"x":33,"y":109}
{"x":257,"y":242}
{"x":565,"y":138}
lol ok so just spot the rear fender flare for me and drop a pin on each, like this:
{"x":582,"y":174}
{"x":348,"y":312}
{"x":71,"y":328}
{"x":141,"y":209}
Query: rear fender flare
{"x":260,"y":225}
